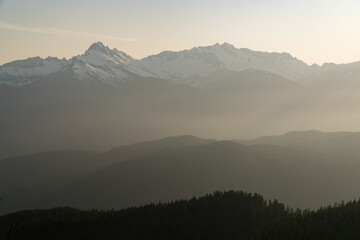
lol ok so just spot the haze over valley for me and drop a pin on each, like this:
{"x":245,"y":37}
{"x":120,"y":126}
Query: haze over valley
{"x":174,"y":120}
{"x":104,"y":98}
{"x":76,"y":111}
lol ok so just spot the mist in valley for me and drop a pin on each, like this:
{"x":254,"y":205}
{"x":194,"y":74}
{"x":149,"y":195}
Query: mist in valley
{"x":177,"y":133}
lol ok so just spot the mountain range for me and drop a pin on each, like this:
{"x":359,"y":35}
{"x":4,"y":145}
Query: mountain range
{"x":102,"y":64}
{"x":104,"y":98}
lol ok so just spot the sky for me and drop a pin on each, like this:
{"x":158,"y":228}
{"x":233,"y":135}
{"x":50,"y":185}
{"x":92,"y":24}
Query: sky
{"x":315,"y":31}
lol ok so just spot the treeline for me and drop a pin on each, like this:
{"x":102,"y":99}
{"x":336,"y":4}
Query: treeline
{"x":222,"y":215}
{"x":340,"y":221}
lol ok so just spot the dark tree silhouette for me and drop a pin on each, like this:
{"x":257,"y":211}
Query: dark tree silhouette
{"x":221,"y":215}
{"x":15,"y":222}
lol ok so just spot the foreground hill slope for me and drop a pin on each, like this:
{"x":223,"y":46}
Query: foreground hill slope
{"x":339,"y":221}
{"x":222,"y":215}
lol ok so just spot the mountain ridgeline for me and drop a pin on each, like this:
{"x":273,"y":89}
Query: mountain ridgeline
{"x":100,"y":63}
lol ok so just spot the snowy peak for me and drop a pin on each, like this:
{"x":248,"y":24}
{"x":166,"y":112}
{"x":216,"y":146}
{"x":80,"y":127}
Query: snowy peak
{"x":241,"y":59}
{"x":27,"y":63}
{"x":23,"y":72}
{"x":178,"y":66}
{"x":97,"y":52}
{"x":98,"y":63}
{"x":101,"y":63}
{"x":203,"y":61}
{"x":32,"y":62}
{"x":98,"y":46}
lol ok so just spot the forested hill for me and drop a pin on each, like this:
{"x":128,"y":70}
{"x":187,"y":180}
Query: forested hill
{"x":340,"y":221}
{"x":222,"y":215}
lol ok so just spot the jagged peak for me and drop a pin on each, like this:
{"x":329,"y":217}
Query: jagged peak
{"x":32,"y":62}
{"x":227,"y":45}
{"x":49,"y":58}
{"x":99,"y":46}
{"x":287,"y":56}
{"x":26,"y":63}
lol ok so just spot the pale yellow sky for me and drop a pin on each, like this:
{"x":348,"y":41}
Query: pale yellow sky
{"x":315,"y":31}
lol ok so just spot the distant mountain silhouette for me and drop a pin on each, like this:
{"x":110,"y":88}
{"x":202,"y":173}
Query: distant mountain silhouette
{"x":174,"y":168}
{"x":341,"y":144}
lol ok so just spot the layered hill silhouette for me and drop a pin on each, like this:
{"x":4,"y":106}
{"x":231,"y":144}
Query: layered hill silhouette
{"x":344,"y":145}
{"x":176,"y":168}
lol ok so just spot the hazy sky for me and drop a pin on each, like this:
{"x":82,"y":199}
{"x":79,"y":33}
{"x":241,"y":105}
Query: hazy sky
{"x":314,"y":31}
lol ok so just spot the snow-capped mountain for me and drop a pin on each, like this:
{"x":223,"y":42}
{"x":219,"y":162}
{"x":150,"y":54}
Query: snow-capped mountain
{"x":100,"y":63}
{"x":23,"y":72}
{"x":202,"y":61}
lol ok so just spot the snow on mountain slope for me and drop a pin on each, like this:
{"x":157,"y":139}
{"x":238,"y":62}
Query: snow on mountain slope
{"x":282,"y":64}
{"x":202,"y":61}
{"x":99,"y":63}
{"x":22,"y":72}
{"x":178,"y":65}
